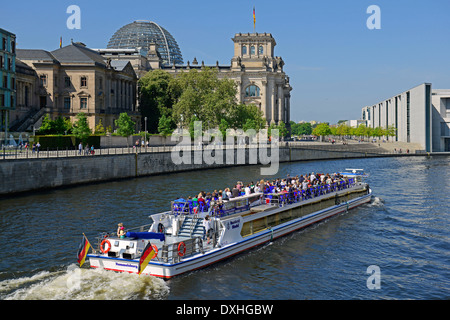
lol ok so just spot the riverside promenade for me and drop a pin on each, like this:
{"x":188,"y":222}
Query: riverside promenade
{"x":24,"y":172}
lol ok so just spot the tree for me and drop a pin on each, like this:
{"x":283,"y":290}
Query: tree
{"x":205,"y":97}
{"x":81,"y":128}
{"x":125,"y":126}
{"x":99,"y":129}
{"x":322,"y":130}
{"x":166,"y":125}
{"x":158,"y":93}
{"x":57,"y":126}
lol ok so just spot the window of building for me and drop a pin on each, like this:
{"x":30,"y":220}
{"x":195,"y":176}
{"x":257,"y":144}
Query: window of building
{"x":27,"y":96}
{"x":5,"y":82}
{"x":66,"y":102}
{"x":13,"y":46}
{"x":83,"y":103}
{"x":100,"y":84}
{"x":83,"y":81}
{"x":261,"y":50}
{"x":244,"y":50}
{"x":67,"y":83}
{"x":1,"y":62}
{"x":43,"y":80}
{"x":252,"y":50}
{"x":252,"y":91}
{"x":2,"y":100}
{"x":4,"y":43}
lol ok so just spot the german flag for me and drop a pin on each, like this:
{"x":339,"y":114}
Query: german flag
{"x":83,"y":250}
{"x":147,"y":255}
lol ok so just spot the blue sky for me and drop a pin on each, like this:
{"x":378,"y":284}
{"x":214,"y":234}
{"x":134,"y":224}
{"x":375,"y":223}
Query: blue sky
{"x":335,"y":63}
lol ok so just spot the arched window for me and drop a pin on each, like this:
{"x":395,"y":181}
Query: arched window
{"x":244,"y":50}
{"x":252,"y":50}
{"x":252,"y":91}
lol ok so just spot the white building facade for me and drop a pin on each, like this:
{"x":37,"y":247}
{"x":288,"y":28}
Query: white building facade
{"x":419,"y":115}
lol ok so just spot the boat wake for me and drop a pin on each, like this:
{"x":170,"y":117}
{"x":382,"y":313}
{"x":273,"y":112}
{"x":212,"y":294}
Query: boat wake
{"x":376,"y":202}
{"x":76,"y":283}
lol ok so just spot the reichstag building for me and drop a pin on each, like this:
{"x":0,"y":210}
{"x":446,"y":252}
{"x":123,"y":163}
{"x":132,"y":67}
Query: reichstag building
{"x":254,"y":67}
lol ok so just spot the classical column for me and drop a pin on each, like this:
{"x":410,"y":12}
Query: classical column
{"x":274,"y":103}
{"x":264,"y":104}
{"x":280,"y":104}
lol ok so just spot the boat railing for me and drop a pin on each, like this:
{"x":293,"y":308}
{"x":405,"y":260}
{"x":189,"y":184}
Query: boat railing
{"x":215,"y":208}
{"x":293,"y":196}
{"x":174,"y":252}
{"x":113,"y":234}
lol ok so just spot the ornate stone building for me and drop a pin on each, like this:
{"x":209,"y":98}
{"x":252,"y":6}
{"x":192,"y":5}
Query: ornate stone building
{"x":255,"y":68}
{"x":258,"y":73}
{"x":76,"y":79}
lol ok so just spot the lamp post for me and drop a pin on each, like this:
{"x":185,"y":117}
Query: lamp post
{"x":145,"y":141}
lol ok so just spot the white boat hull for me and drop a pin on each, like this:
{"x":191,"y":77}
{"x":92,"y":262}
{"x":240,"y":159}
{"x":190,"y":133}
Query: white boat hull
{"x":199,"y":260}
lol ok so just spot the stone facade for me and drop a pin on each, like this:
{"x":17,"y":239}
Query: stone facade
{"x":258,"y":74}
{"x":254,"y":67}
{"x":76,"y":79}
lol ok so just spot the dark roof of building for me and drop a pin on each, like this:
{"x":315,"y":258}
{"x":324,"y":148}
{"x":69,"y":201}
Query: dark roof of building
{"x":32,"y":54}
{"x":76,"y":52}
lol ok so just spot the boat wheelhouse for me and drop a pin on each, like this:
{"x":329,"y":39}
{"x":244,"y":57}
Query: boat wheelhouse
{"x":194,"y":235}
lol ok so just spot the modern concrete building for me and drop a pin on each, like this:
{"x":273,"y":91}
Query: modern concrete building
{"x":7,"y":78}
{"x":420,"y":115}
{"x":440,"y":99}
{"x":76,"y":79}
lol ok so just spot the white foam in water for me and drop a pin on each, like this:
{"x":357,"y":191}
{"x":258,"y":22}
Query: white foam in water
{"x":376,"y":202}
{"x":84,"y":284}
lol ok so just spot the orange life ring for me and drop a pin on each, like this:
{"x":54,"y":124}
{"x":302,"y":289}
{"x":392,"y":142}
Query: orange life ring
{"x":109,"y":246}
{"x":155,"y":248}
{"x":181,"y":249}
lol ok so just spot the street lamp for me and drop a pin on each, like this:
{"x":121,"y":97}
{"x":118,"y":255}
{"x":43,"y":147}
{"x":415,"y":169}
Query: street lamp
{"x":145,"y":141}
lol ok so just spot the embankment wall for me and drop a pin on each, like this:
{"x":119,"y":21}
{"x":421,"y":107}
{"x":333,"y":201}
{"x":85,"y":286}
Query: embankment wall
{"x":25,"y":175}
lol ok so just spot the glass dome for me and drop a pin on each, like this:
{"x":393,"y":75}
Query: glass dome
{"x":141,"y":33}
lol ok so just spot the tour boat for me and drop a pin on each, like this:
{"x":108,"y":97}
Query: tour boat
{"x":179,"y":241}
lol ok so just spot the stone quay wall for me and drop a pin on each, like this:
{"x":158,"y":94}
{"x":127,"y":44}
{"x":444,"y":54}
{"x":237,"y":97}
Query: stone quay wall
{"x":26,"y":175}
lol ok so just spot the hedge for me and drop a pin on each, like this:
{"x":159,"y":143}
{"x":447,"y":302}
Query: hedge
{"x":64,"y":142}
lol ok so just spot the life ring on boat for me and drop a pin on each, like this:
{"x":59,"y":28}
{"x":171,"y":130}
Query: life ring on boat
{"x":106,"y":250}
{"x":155,"y":248}
{"x":181,"y":249}
{"x":161,"y":228}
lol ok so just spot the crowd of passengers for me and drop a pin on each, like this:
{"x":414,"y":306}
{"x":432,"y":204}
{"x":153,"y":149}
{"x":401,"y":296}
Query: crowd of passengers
{"x":307,"y":185}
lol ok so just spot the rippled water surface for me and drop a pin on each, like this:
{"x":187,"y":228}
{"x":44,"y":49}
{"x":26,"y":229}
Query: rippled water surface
{"x":404,"y":231}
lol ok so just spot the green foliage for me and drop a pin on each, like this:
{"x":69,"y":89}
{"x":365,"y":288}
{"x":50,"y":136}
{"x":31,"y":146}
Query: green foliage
{"x":205,"y":97}
{"x":299,"y":129}
{"x":166,"y":125}
{"x":125,"y":126}
{"x":57,"y":126}
{"x":322,"y":129}
{"x":158,"y":93}
{"x":99,"y":128}
{"x":60,"y":142}
{"x":81,"y":128}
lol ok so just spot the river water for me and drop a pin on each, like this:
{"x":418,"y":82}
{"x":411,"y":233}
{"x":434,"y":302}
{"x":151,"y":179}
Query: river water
{"x":404,"y":232}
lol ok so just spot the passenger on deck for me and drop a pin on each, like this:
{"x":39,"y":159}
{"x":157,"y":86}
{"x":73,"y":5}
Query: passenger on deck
{"x":120,"y":230}
{"x":207,"y":226}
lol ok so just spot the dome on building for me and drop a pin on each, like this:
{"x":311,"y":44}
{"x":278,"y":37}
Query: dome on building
{"x":142,"y":33}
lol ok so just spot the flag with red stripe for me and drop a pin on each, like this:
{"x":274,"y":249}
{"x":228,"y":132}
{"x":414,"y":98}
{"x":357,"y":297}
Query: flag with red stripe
{"x":147,"y":255}
{"x":83,"y":250}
